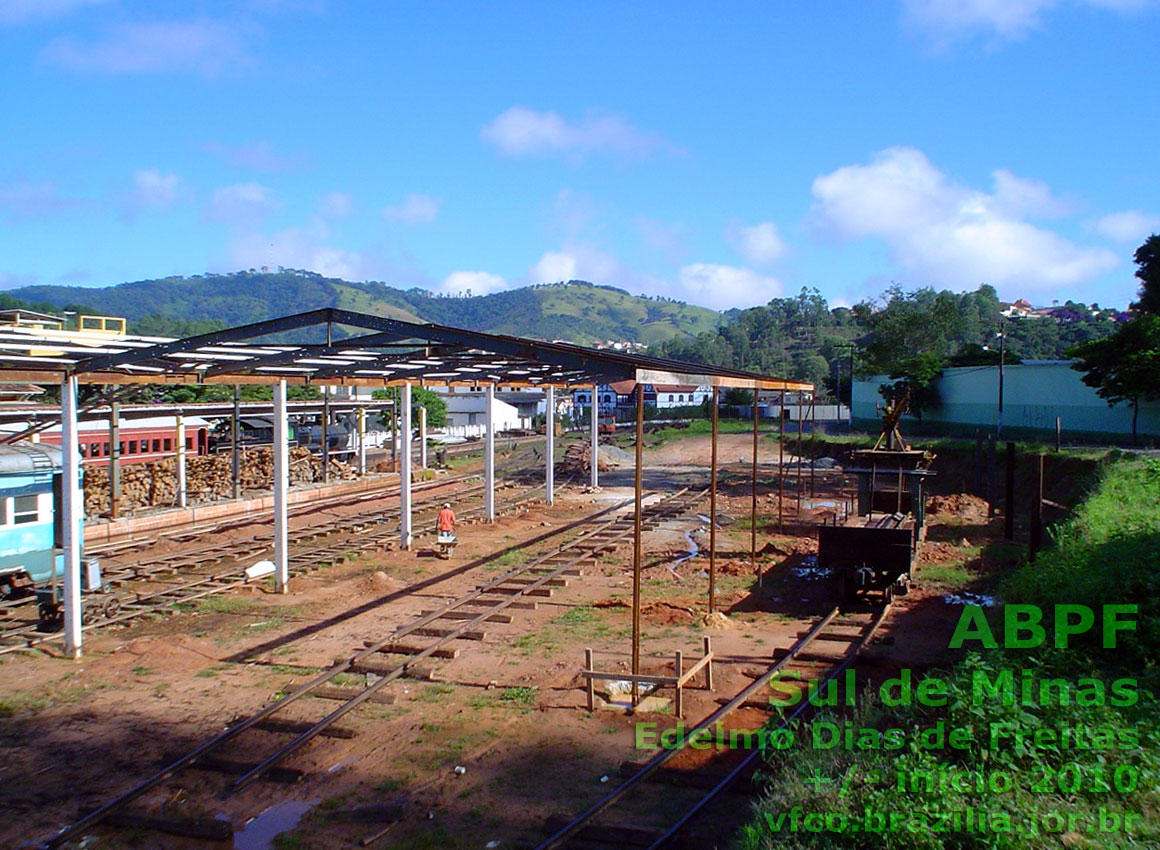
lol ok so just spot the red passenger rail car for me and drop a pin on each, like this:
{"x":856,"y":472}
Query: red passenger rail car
{"x":141,"y":440}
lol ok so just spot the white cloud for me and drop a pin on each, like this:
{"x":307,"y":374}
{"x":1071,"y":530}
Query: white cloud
{"x":202,"y":46}
{"x":23,"y":11}
{"x":298,"y":248}
{"x":520,"y":131}
{"x":949,"y":234}
{"x":1017,"y":197}
{"x":241,"y":203}
{"x":33,"y":200}
{"x":760,"y":244}
{"x":1005,"y":19}
{"x":1131,"y":226}
{"x":723,"y":287}
{"x":414,"y":209}
{"x":577,"y":262}
{"x":153,"y":189}
{"x":335,"y":205}
{"x":477,"y":283}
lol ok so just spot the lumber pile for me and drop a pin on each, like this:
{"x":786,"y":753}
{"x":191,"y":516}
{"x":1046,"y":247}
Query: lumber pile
{"x":577,"y":460}
{"x":208,"y":477}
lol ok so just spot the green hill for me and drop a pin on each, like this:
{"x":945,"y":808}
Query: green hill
{"x":576,"y":311}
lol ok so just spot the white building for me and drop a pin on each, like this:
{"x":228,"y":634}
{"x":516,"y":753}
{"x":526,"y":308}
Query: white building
{"x":678,"y":395}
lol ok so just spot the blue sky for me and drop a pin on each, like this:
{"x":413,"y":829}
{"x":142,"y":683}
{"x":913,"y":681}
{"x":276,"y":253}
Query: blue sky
{"x":721,"y":154}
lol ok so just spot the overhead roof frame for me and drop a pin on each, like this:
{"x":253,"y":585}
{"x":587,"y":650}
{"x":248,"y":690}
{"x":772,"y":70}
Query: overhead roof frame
{"x":394,"y":352}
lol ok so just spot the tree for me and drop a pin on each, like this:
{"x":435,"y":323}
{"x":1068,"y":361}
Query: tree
{"x":1148,"y":259}
{"x":1124,"y":367}
{"x":420,"y":397}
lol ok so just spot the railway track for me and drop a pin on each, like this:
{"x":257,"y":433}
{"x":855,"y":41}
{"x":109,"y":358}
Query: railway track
{"x":191,"y":533}
{"x":688,"y":792}
{"x":536,"y":578}
{"x":157,"y":585}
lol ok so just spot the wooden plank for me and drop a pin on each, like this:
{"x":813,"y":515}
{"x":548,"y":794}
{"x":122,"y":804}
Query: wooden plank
{"x":516,"y":591}
{"x":430,"y":631}
{"x":288,"y":775}
{"x":664,"y":681}
{"x":297,"y":727}
{"x":470,"y":615}
{"x":409,"y":649}
{"x":344,"y":694}
{"x":209,"y":829}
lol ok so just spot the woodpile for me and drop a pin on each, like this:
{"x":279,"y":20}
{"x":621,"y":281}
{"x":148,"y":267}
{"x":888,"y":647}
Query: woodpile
{"x":208,"y":477}
{"x":577,"y":460}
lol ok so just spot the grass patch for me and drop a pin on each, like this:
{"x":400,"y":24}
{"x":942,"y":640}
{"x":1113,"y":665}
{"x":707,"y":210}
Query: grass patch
{"x":519,"y":696}
{"x":434,"y":693}
{"x":1057,"y":793}
{"x":223,"y":605}
{"x":210,"y":672}
{"x":944,"y":574}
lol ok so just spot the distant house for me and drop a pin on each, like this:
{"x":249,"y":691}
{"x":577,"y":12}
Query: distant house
{"x":619,"y":397}
{"x":680,"y":395}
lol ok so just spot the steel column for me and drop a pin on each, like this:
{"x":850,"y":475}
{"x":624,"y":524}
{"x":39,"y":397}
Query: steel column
{"x":636,"y":542}
{"x":713,"y":507}
{"x":325,"y":436}
{"x":780,"y":459}
{"x":405,"y":535}
{"x":114,"y":459}
{"x":753,"y":498}
{"x":72,"y":512}
{"x":182,"y":485}
{"x":422,"y":437}
{"x":489,"y":455}
{"x":235,"y":465}
{"x":550,"y":444}
{"x":362,"y":441}
{"x":281,"y":487}
{"x":594,"y":437}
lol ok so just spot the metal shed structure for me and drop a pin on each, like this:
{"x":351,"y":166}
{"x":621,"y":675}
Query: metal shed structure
{"x":381,"y":352}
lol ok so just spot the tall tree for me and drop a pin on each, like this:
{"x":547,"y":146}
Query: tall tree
{"x":1148,"y":259}
{"x":1124,"y":367}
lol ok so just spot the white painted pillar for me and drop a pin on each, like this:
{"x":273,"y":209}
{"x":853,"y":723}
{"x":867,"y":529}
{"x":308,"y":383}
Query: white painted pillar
{"x":281,"y":488}
{"x":422,"y":438}
{"x":489,"y":456}
{"x":594,"y":433}
{"x":182,"y":486}
{"x":72,"y":512}
{"x":405,"y":467}
{"x":550,"y":443}
{"x":362,"y":442}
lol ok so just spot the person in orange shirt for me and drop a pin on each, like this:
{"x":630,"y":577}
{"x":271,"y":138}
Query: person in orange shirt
{"x":446,"y":521}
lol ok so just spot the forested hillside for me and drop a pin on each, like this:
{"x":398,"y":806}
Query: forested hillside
{"x":576,"y":311}
{"x":909,"y":335}
{"x":902,"y":334}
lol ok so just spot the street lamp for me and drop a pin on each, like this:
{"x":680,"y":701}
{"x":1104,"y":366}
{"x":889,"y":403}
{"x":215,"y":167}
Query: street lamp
{"x":1002,"y":350}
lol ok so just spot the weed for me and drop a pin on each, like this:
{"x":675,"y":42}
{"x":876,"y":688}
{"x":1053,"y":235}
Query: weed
{"x":142,"y":671}
{"x":519,"y":696}
{"x":434,"y":693}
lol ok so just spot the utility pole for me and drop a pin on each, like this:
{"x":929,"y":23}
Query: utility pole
{"x":1002,"y":357}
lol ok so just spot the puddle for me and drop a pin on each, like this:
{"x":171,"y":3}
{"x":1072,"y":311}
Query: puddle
{"x":968,"y":598}
{"x":808,"y":569}
{"x":810,"y":504}
{"x":259,"y":832}
{"x":694,"y":550}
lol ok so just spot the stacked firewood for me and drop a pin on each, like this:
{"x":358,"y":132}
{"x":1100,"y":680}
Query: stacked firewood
{"x":208,"y":477}
{"x":578,"y":458}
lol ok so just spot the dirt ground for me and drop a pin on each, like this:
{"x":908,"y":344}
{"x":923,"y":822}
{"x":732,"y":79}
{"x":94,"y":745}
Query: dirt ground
{"x":509,"y":710}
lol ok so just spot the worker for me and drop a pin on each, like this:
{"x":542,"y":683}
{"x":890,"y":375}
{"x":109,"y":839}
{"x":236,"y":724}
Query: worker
{"x":446,"y":521}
